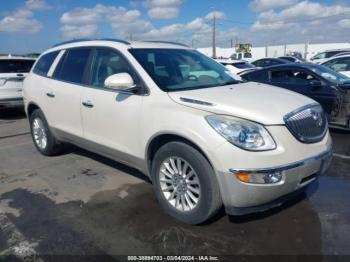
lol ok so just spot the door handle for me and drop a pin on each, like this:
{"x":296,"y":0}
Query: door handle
{"x":50,"y":94}
{"x":88,"y":104}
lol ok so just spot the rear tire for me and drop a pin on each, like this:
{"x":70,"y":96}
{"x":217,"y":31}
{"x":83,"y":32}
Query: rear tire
{"x":185,"y":183}
{"x":43,"y":139}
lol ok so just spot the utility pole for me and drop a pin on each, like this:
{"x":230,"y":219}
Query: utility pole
{"x":231,"y":43}
{"x":214,"y":36}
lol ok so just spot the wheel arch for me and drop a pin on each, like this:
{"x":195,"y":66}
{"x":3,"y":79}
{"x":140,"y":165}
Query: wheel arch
{"x":160,"y":139}
{"x":31,"y":108}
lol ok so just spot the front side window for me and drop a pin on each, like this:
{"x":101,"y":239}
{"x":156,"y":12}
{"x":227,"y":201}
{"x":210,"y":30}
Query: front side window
{"x":256,"y":76}
{"x":42,"y":67}
{"x":15,"y":65}
{"x":339,"y":64}
{"x":108,"y":62}
{"x":182,"y":69}
{"x":293,"y":77}
{"x":72,"y":66}
{"x":331,"y":53}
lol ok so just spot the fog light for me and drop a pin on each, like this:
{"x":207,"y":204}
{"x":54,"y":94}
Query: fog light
{"x":259,"y":178}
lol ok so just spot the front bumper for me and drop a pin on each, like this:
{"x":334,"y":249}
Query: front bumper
{"x":11,"y":102}
{"x":242,"y":198}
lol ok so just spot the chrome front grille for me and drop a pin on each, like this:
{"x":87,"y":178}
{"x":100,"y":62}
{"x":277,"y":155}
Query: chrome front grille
{"x":308,"y":124}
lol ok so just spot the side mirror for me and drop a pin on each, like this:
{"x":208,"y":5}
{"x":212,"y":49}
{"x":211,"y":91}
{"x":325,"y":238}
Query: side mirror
{"x":121,"y":81}
{"x":315,"y":84}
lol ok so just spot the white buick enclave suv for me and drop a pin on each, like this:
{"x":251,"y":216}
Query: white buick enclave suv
{"x":204,"y":139}
{"x":13,"y":69}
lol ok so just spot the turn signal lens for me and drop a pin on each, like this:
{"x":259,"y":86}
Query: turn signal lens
{"x":244,"y":177}
{"x":259,"y":178}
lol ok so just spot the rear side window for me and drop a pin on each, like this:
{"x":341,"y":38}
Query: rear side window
{"x":72,"y":66}
{"x":15,"y":65}
{"x":42,"y":67}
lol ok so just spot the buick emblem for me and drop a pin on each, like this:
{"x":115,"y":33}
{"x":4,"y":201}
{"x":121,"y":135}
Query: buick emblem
{"x":317,"y":117}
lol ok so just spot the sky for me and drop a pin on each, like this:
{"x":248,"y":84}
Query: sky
{"x":35,"y":25}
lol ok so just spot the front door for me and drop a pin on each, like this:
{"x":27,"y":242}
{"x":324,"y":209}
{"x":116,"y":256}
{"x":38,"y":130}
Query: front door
{"x":111,"y":118}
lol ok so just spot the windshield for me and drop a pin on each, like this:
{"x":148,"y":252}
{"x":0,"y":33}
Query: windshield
{"x":319,"y":56}
{"x":182,"y":69}
{"x":15,"y":65}
{"x":330,"y":75}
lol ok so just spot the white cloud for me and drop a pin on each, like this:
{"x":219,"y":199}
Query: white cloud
{"x":163,"y":9}
{"x":217,"y":14}
{"x":304,"y":21}
{"x":37,"y":5}
{"x":263,"y":5}
{"x":344,"y":23}
{"x":21,"y":20}
{"x":123,"y":21}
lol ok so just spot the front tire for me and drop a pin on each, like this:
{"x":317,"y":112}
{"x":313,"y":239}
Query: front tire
{"x":185,"y":183}
{"x":43,"y":139}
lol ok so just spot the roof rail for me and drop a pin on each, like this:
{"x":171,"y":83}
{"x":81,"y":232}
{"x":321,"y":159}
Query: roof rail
{"x":92,"y":39}
{"x":167,"y":42}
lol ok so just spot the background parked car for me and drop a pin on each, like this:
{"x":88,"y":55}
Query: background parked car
{"x":323,"y":56}
{"x":237,"y":66}
{"x":340,"y":64}
{"x":329,"y":88}
{"x":292,"y":59}
{"x":13,"y":70}
{"x":264,"y":62}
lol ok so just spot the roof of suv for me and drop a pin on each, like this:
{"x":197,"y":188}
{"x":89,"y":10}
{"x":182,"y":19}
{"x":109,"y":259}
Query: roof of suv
{"x":131,"y":44}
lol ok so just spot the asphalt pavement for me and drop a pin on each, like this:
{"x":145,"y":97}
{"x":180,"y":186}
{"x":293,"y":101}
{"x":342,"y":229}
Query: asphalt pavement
{"x":91,"y":208}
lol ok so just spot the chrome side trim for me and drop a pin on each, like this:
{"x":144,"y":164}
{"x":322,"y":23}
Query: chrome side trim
{"x":325,"y":154}
{"x":194,"y":101}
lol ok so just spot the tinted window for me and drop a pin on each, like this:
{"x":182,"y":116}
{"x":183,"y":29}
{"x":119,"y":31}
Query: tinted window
{"x":108,"y":62}
{"x":257,"y":76}
{"x":297,"y":77}
{"x":15,"y":65}
{"x":182,"y":69}
{"x":72,"y":66}
{"x":42,"y":67}
{"x":331,"y":53}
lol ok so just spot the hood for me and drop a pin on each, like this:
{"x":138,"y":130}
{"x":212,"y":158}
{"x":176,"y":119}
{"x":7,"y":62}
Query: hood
{"x":257,"y":102}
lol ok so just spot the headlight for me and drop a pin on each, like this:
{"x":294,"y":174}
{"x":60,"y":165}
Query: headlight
{"x":242,"y":133}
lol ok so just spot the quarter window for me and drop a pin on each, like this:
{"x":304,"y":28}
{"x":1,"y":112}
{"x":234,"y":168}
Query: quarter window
{"x":42,"y":67}
{"x":72,"y":65}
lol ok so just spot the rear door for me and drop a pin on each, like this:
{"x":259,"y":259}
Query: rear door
{"x":12,"y":74}
{"x":65,"y":89}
